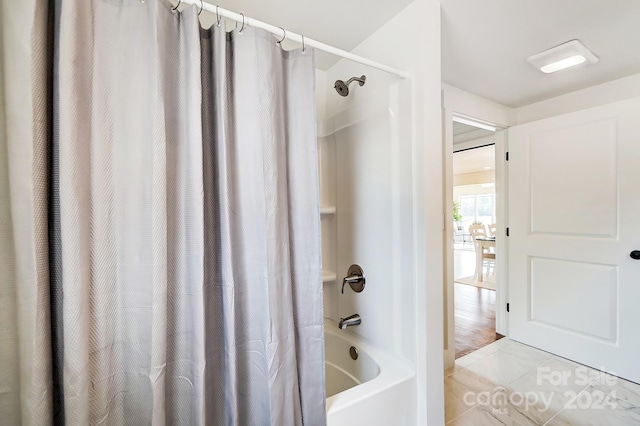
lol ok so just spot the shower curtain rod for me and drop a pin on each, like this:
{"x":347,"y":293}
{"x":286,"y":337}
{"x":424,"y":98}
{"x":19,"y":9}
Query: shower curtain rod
{"x":293,"y":36}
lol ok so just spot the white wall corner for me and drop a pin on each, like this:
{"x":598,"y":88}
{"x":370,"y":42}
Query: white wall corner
{"x":459,"y":101}
{"x":601,"y":94}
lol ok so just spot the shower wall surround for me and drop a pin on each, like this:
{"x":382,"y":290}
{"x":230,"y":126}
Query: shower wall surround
{"x":381,"y":168}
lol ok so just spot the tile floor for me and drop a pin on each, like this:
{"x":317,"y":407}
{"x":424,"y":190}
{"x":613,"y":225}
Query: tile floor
{"x":508,"y":383}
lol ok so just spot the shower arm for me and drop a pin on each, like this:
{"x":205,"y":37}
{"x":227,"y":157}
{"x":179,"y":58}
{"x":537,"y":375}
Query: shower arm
{"x":360,"y":80}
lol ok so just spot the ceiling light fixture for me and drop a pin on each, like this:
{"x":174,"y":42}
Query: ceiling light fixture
{"x":562,"y":57}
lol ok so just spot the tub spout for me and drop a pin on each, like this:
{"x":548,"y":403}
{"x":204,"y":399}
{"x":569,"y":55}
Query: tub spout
{"x":349,"y":321}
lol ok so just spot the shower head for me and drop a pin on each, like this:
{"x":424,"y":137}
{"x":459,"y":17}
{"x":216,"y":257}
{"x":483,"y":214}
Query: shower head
{"x":343,"y":88}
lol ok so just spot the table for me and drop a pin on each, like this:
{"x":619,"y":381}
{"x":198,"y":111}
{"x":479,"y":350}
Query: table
{"x":485,"y":243}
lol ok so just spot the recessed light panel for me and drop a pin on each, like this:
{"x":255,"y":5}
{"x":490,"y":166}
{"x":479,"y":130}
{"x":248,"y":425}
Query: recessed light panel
{"x":567,"y":55}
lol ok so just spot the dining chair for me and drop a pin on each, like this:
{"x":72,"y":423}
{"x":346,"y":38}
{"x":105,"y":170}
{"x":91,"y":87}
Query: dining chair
{"x":486,"y":256}
{"x":492,"y":230}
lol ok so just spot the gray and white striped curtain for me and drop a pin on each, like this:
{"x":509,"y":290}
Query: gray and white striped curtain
{"x":159,"y":220}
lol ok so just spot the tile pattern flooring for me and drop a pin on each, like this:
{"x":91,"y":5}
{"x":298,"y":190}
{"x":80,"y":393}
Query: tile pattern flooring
{"x":508,"y":383}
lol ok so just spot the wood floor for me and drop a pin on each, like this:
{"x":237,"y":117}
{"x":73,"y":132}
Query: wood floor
{"x":475,"y":312}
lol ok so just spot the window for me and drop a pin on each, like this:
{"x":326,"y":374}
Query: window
{"x":478,"y":208}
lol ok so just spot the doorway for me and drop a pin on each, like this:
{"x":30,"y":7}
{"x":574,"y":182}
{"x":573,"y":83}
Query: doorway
{"x":474,"y":230}
{"x":487,"y":127}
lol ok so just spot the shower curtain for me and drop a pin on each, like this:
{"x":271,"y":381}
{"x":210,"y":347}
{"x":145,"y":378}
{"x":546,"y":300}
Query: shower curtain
{"x":160,"y":227}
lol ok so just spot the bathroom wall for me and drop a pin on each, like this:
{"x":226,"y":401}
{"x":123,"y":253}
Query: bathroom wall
{"x":601,"y":94}
{"x":370,"y":233}
{"x":458,"y":101}
{"x":385,"y":139}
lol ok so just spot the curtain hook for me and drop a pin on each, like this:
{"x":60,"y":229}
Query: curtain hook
{"x":241,"y":28}
{"x":201,"y":7}
{"x":303,"y":48}
{"x":284,"y":35}
{"x":175,"y":8}
{"x":217,"y":16}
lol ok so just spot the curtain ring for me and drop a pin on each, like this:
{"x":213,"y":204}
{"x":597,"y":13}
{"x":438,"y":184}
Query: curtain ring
{"x":217,"y":16}
{"x":303,"y":48}
{"x":241,"y":28}
{"x":284,"y":35}
{"x":201,"y":7}
{"x":175,"y":8}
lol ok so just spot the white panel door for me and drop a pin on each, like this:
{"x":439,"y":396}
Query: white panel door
{"x":574,"y":219}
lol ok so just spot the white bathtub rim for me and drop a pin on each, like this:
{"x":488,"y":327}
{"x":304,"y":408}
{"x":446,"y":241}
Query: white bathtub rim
{"x":393,"y":370}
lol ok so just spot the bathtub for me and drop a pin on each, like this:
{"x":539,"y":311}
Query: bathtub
{"x":374,"y":389}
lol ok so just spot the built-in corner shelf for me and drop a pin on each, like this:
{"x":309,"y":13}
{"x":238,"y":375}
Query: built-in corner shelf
{"x":328,"y":277}
{"x":325,"y":211}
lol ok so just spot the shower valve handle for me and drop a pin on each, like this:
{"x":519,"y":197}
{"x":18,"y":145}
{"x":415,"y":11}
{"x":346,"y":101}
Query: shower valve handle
{"x":355,"y":278}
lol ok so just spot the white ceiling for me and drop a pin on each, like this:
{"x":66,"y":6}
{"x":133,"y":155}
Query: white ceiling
{"x":461,"y":129}
{"x":474,"y":160}
{"x":485,"y":45}
{"x":465,"y":133}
